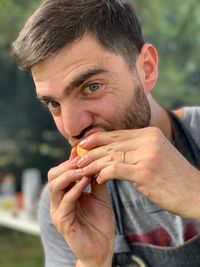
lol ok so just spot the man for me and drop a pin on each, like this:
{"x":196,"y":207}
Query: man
{"x":134,"y":198}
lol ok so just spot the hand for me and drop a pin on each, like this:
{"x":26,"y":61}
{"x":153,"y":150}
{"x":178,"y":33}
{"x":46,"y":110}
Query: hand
{"x":151,"y":164}
{"x":85,"y":220}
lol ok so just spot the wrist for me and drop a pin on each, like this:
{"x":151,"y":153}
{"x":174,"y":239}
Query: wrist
{"x":106,"y":263}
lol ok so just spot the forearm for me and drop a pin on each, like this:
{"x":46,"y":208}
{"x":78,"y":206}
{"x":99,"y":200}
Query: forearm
{"x":190,"y":196}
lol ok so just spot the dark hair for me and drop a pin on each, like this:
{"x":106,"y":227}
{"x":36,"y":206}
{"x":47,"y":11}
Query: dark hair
{"x":57,"y":23}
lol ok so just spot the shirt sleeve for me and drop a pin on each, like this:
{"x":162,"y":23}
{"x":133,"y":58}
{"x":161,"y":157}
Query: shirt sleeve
{"x":57,"y":252}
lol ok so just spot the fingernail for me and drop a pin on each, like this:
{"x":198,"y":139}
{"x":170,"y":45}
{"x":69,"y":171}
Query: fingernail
{"x":98,"y":179}
{"x":83,"y":142}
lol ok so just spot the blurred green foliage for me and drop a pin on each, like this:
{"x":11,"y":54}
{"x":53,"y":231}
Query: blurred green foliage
{"x":28,"y":137}
{"x":20,"y":250}
{"x":173,"y":26}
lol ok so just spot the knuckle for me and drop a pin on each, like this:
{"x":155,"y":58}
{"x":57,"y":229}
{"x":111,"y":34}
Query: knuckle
{"x":116,"y":134}
{"x":113,"y":169}
{"x":52,"y":186}
{"x":153,"y":154}
{"x":110,"y":149}
{"x":155,"y":145}
{"x":111,"y":157}
{"x":89,"y":156}
{"x":155,"y":134}
{"x":145,"y":171}
{"x":155,"y":130}
{"x":55,"y":220}
{"x":50,"y":174}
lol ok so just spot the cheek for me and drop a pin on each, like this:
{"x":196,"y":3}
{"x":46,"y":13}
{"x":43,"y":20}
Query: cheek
{"x":59,"y":125}
{"x":110,"y":112}
{"x":107,"y":111}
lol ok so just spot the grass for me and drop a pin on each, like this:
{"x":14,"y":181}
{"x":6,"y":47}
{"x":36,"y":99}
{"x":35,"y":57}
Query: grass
{"x":20,"y":250}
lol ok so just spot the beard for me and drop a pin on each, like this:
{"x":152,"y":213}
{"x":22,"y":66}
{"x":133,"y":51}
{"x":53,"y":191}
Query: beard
{"x":134,"y":115}
{"x":137,"y":113}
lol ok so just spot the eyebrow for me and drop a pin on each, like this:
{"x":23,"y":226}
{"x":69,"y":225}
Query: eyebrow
{"x":83,"y":77}
{"x":78,"y":81}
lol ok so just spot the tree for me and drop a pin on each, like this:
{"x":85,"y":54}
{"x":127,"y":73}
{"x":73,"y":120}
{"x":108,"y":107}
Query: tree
{"x":28,"y":136}
{"x":173,"y":27}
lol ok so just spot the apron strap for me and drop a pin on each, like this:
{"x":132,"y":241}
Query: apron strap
{"x":184,"y":141}
{"x":189,"y":149}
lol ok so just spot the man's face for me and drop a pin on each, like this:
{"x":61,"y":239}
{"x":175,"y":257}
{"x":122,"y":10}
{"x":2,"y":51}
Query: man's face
{"x":89,"y":89}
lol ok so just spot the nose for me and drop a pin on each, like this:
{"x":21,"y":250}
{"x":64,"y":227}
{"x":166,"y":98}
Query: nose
{"x":75,"y":118}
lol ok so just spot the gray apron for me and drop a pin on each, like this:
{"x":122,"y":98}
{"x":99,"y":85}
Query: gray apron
{"x":187,"y":255}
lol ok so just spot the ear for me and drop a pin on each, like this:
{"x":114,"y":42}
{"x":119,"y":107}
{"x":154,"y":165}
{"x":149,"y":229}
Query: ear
{"x":148,"y":66}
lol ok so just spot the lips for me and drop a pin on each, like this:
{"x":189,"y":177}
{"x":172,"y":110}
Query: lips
{"x":92,"y":132}
{"x":88,"y":133}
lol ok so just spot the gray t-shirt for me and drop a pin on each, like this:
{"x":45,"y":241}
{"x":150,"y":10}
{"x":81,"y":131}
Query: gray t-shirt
{"x":143,"y":222}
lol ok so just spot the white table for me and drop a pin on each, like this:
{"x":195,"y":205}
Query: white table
{"x":21,"y":222}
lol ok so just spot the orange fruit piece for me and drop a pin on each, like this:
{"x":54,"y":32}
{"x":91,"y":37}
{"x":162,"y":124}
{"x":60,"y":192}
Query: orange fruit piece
{"x":80,"y":151}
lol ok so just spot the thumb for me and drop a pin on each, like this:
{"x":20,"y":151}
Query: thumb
{"x":73,"y":153}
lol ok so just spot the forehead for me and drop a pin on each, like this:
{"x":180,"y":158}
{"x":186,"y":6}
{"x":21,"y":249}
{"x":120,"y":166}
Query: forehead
{"x":83,"y":53}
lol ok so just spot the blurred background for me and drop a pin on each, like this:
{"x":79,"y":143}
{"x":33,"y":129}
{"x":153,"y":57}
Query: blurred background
{"x":29,"y":142}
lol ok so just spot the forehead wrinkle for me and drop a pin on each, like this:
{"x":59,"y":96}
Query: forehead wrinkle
{"x":78,"y":80}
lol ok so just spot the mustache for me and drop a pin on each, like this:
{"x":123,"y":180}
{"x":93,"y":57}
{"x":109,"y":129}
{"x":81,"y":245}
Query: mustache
{"x":89,"y":128}
{"x":84,"y":132}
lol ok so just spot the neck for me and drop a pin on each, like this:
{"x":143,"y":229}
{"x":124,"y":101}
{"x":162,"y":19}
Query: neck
{"x":160,"y":119}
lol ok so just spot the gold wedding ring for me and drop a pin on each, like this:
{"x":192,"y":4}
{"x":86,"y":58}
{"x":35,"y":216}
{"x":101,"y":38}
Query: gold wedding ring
{"x":123,"y":157}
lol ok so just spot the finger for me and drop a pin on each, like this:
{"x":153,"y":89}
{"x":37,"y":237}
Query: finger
{"x":132,"y":148}
{"x":65,"y":179}
{"x":118,"y":171}
{"x":97,"y":165}
{"x":104,"y":138}
{"x":73,"y":153}
{"x":70,"y":198}
{"x":63,"y":167}
{"x":61,"y":185}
